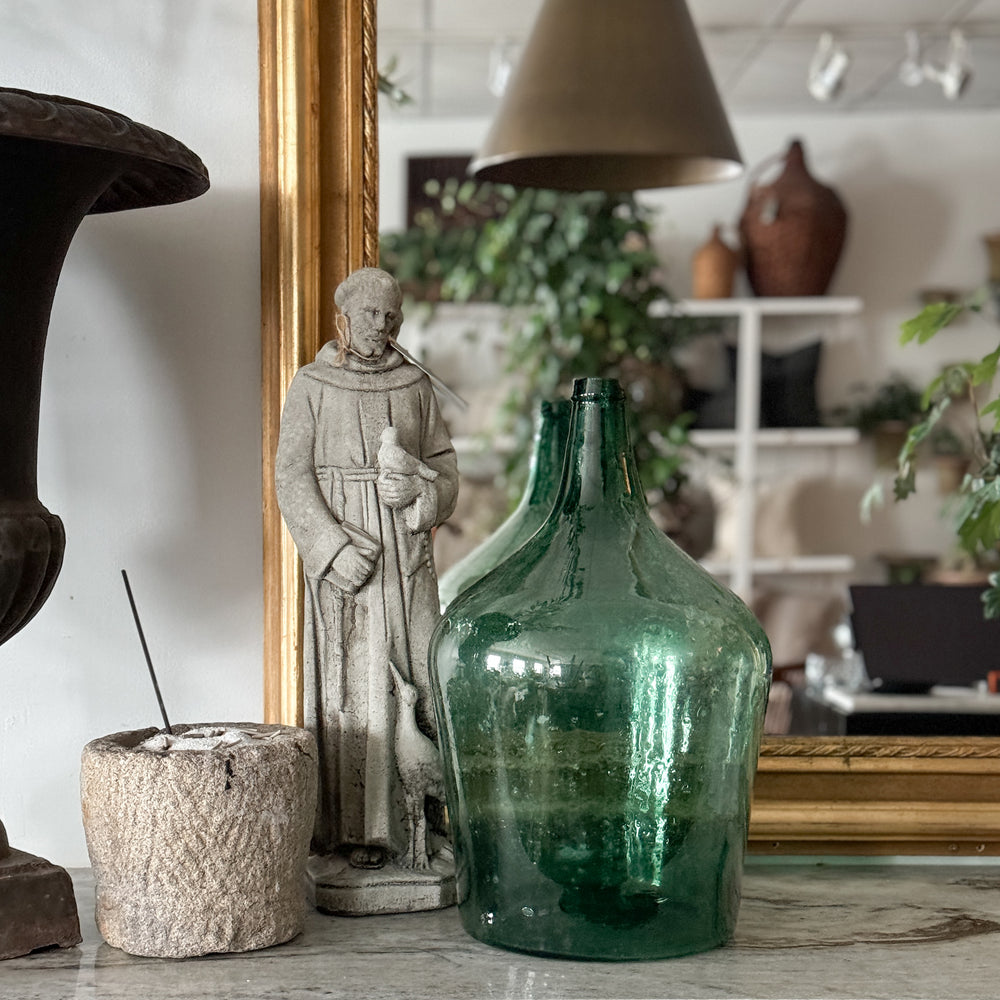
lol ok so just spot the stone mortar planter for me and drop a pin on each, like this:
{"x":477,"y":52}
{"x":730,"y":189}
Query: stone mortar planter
{"x":199,"y":850}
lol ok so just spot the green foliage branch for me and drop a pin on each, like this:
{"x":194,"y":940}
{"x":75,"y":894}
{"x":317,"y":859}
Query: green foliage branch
{"x":582,"y":281}
{"x":977,"y":511}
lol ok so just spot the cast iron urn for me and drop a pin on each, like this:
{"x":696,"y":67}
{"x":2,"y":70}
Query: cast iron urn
{"x":60,"y":160}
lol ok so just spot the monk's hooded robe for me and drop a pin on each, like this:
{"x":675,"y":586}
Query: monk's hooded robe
{"x":326,"y":472}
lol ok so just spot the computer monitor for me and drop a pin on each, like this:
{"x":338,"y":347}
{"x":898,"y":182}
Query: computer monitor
{"x":918,"y":635}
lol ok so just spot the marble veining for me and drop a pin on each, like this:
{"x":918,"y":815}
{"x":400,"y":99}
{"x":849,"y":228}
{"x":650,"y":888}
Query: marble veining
{"x":908,"y":932}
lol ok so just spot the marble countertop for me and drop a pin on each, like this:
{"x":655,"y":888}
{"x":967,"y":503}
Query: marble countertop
{"x":805,"y":931}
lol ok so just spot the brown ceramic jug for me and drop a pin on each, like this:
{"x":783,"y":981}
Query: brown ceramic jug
{"x":792,"y":231}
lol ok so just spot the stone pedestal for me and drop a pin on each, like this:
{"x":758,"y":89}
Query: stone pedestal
{"x":37,"y":905}
{"x":341,"y":889}
{"x":200,"y":850}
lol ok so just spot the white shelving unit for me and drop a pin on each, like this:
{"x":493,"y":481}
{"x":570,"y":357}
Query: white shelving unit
{"x":748,"y":437}
{"x":780,"y":437}
{"x":812,"y":565}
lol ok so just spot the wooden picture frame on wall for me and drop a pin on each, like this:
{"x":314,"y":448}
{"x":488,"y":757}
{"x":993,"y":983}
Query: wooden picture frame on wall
{"x":319,"y":212}
{"x":421,"y":170}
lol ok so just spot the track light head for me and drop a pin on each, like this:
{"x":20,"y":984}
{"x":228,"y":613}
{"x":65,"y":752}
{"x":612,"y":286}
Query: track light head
{"x":828,"y":68}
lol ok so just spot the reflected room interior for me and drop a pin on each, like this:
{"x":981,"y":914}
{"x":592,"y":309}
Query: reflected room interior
{"x":755,"y":323}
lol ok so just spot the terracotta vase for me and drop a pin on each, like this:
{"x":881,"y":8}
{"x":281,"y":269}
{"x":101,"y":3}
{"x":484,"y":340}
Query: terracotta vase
{"x":59,"y":160}
{"x":950,"y":470}
{"x":889,"y":437}
{"x":792,"y":231}
{"x":713,"y":268}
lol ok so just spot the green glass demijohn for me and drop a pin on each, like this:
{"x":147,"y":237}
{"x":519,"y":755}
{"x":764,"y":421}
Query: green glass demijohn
{"x":600,"y":700}
{"x":544,"y":475}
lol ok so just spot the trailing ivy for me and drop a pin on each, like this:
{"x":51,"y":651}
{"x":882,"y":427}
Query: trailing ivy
{"x":583,"y":284}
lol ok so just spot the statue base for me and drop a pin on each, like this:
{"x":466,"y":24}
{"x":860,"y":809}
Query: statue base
{"x":344,"y":890}
{"x":37,"y":906}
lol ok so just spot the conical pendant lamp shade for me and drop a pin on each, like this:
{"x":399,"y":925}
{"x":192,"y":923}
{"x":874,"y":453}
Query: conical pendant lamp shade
{"x":610,"y":95}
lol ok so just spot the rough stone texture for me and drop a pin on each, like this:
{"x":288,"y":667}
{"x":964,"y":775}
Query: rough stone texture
{"x":37,"y":905}
{"x":200,"y":851}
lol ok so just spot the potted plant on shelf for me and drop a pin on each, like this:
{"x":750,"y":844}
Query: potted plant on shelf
{"x":951,"y":458}
{"x":886,"y":415}
{"x":976,"y":511}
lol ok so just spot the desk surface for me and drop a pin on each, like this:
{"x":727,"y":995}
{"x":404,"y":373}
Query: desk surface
{"x":830,"y":931}
{"x":942,"y":699}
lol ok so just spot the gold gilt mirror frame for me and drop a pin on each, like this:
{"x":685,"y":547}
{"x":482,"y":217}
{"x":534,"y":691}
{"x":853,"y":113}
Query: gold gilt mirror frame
{"x":319,"y":198}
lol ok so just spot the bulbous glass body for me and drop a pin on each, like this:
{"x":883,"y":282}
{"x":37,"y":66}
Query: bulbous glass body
{"x":544,"y":475}
{"x":600,"y":700}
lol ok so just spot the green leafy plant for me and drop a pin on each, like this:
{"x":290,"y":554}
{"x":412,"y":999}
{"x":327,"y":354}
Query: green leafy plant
{"x":896,"y":400}
{"x":977,"y":510}
{"x":586,"y":297}
{"x":442,"y":239}
{"x":945,"y":442}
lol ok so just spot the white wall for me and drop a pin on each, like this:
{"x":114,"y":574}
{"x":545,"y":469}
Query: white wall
{"x":921,"y":193}
{"x":150,"y":421}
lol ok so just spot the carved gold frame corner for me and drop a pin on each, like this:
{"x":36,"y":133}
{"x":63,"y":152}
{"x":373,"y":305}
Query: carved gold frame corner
{"x":319,"y":212}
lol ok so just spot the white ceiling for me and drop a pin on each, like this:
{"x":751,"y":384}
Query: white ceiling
{"x":759,"y":51}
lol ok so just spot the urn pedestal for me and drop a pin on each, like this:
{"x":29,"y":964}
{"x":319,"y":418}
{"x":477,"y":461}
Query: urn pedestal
{"x":37,"y":906}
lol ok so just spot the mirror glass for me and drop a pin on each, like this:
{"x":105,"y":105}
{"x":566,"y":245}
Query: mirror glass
{"x":913,"y":233}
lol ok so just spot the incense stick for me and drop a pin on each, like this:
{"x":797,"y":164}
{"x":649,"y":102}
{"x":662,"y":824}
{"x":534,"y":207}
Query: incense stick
{"x":145,"y":650}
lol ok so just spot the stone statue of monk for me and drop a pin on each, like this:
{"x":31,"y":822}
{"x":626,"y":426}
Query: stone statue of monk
{"x":365,"y":469}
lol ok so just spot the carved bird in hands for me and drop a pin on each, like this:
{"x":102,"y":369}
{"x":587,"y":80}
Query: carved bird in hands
{"x":393,"y":457}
